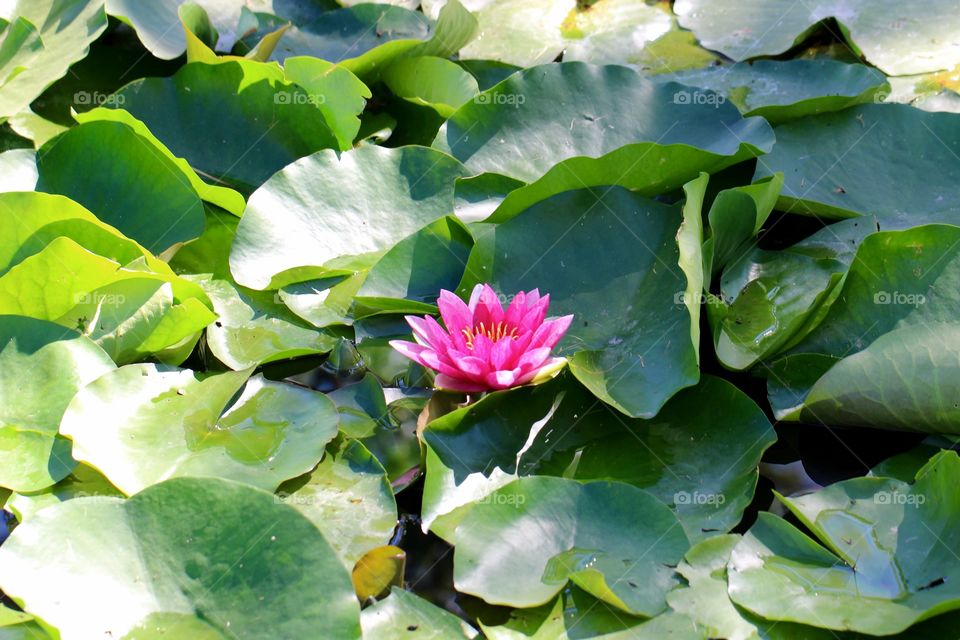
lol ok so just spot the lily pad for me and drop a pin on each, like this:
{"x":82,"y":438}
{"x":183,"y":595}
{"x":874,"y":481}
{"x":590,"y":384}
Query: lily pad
{"x":348,"y":497}
{"x":332,"y":214}
{"x":613,"y":31}
{"x":42,"y":366}
{"x":189,"y":554}
{"x":403,"y":615}
{"x":520,"y":32}
{"x":82,"y":482}
{"x":409,"y":277}
{"x":43,"y":39}
{"x":340,"y":95}
{"x":838,"y":165}
{"x":900,"y":286}
{"x":433,"y":82}
{"x":158,"y":24}
{"x":540,"y":116}
{"x":144,"y":423}
{"x":882,"y":560}
{"x":574,"y":615}
{"x":699,"y":455}
{"x":772,"y":299}
{"x":136,"y":318}
{"x":782,"y":90}
{"x":899,"y":39}
{"x":236,"y":122}
{"x":223,"y":197}
{"x":101,"y":165}
{"x":629,"y":329}
{"x":255,"y":327}
{"x":611,"y":539}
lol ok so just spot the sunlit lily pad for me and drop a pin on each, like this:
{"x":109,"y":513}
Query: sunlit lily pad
{"x":269,"y":433}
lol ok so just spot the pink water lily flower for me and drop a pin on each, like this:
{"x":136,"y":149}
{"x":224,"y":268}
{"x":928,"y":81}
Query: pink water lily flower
{"x":485,"y":348}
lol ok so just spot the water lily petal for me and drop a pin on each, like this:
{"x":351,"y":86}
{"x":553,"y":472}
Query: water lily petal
{"x":502,"y":379}
{"x":455,"y":312}
{"x":549,"y":370}
{"x":535,"y":314}
{"x":550,"y":332}
{"x":475,"y":297}
{"x":449,"y":383}
{"x":533,"y":359}
{"x":503,"y":353}
{"x":470,"y":365}
{"x":488,"y":310}
{"x":516,"y":310}
{"x":412,"y":350}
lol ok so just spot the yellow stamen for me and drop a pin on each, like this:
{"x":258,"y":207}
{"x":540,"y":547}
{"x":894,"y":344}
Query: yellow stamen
{"x":495,"y":333}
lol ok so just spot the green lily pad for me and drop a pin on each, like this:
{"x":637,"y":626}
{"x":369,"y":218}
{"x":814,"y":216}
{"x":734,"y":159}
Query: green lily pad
{"x":82,"y":482}
{"x":883,"y":559}
{"x":133,"y":319}
{"x":18,"y":170}
{"x":42,"y":366}
{"x":93,"y":282}
{"x":366,"y":38}
{"x":783,"y":90}
{"x":839,"y":165}
{"x":900,"y":39}
{"x":349,"y":498}
{"x":409,"y":277}
{"x":430,"y":81}
{"x":255,"y":327}
{"x":189,"y":554}
{"x":223,"y":197}
{"x":43,"y":39}
{"x":631,"y":327}
{"x":574,"y":615}
{"x":332,"y":214}
{"x":403,"y":615}
{"x":772,"y":299}
{"x":613,"y":31}
{"x":31,"y":221}
{"x":901,"y":286}
{"x":906,"y":379}
{"x":236,"y":122}
{"x":699,"y":455}
{"x":158,"y":26}
{"x":520,"y":32}
{"x":101,"y":165}
{"x":538,"y":117}
{"x":611,"y":539}
{"x":736,"y":216}
{"x":144,"y":423}
{"x":704,"y":598}
{"x":340,"y":95}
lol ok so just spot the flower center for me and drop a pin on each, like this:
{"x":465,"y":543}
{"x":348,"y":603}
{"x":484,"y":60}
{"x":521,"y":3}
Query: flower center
{"x":493,"y":332}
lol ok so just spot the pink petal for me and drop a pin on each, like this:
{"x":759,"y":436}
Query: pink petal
{"x":427,"y":331}
{"x":475,"y":297}
{"x":482,"y":347}
{"x":413,"y":351}
{"x":488,"y":309}
{"x":502,"y":379}
{"x":502,"y":353}
{"x":550,"y":332}
{"x":443,"y":381}
{"x":535,"y":314}
{"x":533,"y":359}
{"x":474,"y":367}
{"x":547,"y":370}
{"x":455,"y":312}
{"x":516,"y":310}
